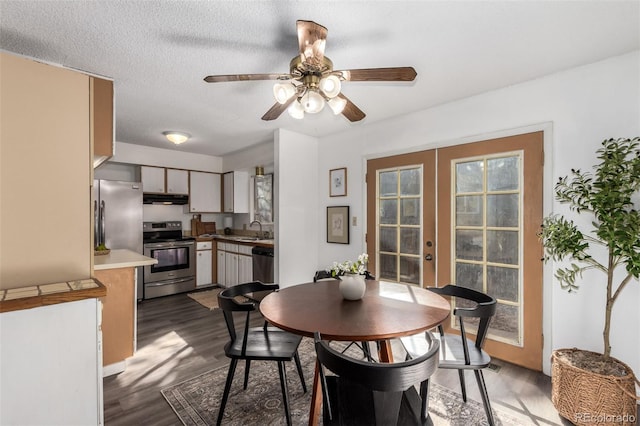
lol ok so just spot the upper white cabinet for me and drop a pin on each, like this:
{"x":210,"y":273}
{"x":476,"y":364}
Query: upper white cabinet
{"x":152,"y":179}
{"x":236,"y":192}
{"x":177,"y":181}
{"x":204,"y":192}
{"x":161,"y":180}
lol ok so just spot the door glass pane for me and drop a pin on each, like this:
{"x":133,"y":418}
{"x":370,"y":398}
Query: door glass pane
{"x":469,"y":176}
{"x":487,"y":228}
{"x":388,"y":184}
{"x":410,"y":211}
{"x":469,"y":244}
{"x":469,"y":275}
{"x":399,"y":220}
{"x":389,"y":239}
{"x":410,"y":270}
{"x":469,"y":210}
{"x":410,"y":182}
{"x":502,"y":247}
{"x":503,"y":174}
{"x":389,"y":211}
{"x":388,"y":267}
{"x":502,"y":210}
{"x":410,"y":240}
{"x":502,"y":283}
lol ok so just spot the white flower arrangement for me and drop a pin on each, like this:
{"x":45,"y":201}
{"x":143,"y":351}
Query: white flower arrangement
{"x":350,"y":267}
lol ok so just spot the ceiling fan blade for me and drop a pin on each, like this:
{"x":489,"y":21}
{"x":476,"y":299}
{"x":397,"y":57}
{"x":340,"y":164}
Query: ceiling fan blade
{"x":351,"y":111}
{"x":277,"y":109}
{"x":245,"y":77}
{"x":379,"y":74}
{"x":312,"y":38}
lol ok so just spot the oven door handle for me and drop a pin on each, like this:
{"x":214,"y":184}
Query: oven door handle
{"x":170,"y":244}
{"x":167,"y":282}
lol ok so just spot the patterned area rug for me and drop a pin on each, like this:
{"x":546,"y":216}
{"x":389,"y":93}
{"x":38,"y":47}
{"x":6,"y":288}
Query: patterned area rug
{"x":208,"y":299}
{"x":196,"y":401}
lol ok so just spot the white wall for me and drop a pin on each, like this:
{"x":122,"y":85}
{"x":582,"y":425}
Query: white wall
{"x":296,"y":207}
{"x":148,"y":156}
{"x":585,"y":106}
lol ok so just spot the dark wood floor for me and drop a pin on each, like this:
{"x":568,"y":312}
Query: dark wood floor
{"x":179,"y":339}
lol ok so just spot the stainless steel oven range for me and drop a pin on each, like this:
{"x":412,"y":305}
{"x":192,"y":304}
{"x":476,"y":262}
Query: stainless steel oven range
{"x":176,"y":268}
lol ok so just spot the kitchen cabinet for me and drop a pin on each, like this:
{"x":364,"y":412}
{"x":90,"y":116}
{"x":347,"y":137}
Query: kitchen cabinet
{"x":236,"y":192}
{"x":235,"y":264}
{"x":152,"y":179}
{"x":220,"y":263}
{"x":177,"y":181}
{"x":204,"y":192}
{"x":204,"y":263}
{"x":245,"y":265}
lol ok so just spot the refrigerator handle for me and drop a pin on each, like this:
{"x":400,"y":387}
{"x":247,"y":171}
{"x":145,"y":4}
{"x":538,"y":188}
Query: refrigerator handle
{"x":96,"y":224}
{"x":102,"y":216}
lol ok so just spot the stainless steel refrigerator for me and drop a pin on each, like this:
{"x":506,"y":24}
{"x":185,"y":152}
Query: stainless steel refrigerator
{"x":118,"y":217}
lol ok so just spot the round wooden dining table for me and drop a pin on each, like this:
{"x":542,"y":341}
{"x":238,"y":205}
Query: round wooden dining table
{"x":387,"y":311}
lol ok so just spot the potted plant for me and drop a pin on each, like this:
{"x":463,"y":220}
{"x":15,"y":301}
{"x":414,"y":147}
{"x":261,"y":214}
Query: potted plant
{"x":589,"y":387}
{"x":352,"y":285}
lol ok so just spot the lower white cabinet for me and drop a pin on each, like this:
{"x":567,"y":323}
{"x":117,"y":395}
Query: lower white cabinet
{"x":235,"y":264}
{"x":204,"y":263}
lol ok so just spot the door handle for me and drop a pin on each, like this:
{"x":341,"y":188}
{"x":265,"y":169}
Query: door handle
{"x":428,"y":257}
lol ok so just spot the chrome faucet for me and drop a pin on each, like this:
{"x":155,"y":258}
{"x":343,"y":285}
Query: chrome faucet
{"x":258,"y":222}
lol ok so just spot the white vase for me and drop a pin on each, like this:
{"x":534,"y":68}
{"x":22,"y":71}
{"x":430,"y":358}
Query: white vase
{"x":352,"y":286}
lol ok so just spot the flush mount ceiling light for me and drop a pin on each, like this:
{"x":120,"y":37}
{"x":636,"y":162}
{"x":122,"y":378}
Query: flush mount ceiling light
{"x":312,"y":82}
{"x":176,"y":137}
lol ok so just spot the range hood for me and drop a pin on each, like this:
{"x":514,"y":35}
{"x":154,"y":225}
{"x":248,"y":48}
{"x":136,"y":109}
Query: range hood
{"x":165,"y":198}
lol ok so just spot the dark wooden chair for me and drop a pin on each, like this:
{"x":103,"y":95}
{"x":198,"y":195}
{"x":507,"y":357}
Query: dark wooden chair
{"x":458,"y":352}
{"x":368,"y":393}
{"x":364,"y":346}
{"x":255,"y":343}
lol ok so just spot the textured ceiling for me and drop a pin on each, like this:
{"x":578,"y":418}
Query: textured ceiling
{"x":158,"y":53}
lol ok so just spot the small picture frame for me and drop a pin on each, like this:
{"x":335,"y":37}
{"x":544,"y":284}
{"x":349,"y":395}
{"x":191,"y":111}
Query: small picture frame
{"x":338,"y":224}
{"x":338,"y":182}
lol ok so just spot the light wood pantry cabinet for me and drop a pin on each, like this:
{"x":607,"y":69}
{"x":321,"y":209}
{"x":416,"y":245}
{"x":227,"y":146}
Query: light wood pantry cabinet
{"x":236,"y":192}
{"x":204,"y":192}
{"x":101,"y":114}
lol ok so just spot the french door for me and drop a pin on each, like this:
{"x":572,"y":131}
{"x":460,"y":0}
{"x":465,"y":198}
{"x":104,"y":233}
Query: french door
{"x":468,"y":215}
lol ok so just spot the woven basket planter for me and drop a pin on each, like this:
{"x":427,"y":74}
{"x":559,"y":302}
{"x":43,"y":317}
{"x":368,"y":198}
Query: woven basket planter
{"x":587,"y":398}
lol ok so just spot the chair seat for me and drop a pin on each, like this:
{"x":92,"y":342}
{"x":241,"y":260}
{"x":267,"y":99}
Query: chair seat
{"x":451,"y":351}
{"x":276,"y":344}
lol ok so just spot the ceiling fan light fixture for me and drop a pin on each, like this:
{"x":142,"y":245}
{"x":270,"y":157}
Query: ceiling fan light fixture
{"x":176,"y":137}
{"x":312,"y":102}
{"x":337,"y":105}
{"x":296,"y":110}
{"x":330,"y":86}
{"x":283,"y":92}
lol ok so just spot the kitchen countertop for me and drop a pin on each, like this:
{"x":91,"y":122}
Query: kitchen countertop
{"x":50,"y":294}
{"x":121,"y":258}
{"x":238,"y":239}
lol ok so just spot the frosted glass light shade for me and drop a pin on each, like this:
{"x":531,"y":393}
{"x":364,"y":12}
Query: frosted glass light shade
{"x":337,"y":105}
{"x":176,"y":137}
{"x":330,"y":86}
{"x":296,"y":111}
{"x":312,"y":102}
{"x":283,"y":92}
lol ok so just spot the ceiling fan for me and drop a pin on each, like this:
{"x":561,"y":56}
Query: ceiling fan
{"x":312,"y":82}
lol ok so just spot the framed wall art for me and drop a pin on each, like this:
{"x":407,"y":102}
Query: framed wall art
{"x":338,"y":224}
{"x":338,"y":182}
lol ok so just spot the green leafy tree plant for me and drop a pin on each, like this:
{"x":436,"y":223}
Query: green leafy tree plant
{"x":607,"y":194}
